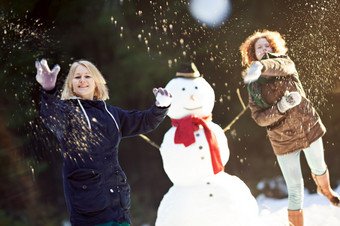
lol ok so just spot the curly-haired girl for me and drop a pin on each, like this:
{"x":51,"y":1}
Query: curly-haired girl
{"x":278,"y":102}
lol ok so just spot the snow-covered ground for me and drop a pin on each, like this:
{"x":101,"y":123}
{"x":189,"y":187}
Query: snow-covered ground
{"x":317,"y":211}
{"x":273,"y":212}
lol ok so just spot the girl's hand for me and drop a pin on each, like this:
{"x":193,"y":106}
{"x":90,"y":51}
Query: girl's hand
{"x":45,"y":77}
{"x":163,"y":97}
{"x":254,"y":72}
{"x":288,"y":101}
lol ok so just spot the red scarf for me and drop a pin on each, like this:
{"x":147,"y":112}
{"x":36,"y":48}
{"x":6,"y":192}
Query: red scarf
{"x":185,"y":135}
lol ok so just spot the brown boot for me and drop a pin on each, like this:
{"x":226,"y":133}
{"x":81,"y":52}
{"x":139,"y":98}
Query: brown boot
{"x":324,"y":188}
{"x":295,"y":217}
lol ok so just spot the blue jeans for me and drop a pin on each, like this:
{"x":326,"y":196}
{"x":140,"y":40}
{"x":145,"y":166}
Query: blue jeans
{"x":291,"y":170}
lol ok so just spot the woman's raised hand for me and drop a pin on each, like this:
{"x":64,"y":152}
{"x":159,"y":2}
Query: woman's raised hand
{"x":163,"y":97}
{"x":254,"y":72}
{"x":45,"y":77}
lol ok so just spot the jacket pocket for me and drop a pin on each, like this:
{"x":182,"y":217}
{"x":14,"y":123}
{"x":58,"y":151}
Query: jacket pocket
{"x":124,"y":190}
{"x":282,"y":135}
{"x":125,"y":196}
{"x":87,"y":196}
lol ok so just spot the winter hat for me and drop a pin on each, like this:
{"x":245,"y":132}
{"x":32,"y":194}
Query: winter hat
{"x":188,"y":70}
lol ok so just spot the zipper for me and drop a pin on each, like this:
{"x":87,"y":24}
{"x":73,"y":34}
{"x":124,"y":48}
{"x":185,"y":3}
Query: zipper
{"x":88,"y":120}
{"x":87,"y":117}
{"x":113,"y":118}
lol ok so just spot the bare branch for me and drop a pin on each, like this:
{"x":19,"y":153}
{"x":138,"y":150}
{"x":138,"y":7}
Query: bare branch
{"x":235,"y":119}
{"x":149,"y":141}
{"x":240,"y":98}
{"x":239,"y":114}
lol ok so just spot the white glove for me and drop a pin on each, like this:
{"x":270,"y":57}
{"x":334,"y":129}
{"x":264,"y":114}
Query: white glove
{"x":288,"y":101}
{"x":254,"y":72}
{"x":163,"y":97}
{"x":45,"y":77}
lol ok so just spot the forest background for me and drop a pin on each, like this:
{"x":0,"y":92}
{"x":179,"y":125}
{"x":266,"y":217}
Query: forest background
{"x":138,"y":45}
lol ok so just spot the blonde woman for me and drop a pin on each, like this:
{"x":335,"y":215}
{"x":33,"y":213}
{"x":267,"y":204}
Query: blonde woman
{"x":278,"y":102}
{"x":89,"y":131}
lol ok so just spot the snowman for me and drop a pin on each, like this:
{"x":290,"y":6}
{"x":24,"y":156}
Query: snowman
{"x":194,"y":152}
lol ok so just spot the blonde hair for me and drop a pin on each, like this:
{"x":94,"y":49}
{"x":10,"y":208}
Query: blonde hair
{"x":247,"y":48}
{"x":101,"y":91}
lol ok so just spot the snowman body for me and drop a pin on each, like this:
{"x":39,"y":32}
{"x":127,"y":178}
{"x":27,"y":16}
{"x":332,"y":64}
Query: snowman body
{"x":193,"y":163}
{"x":198,"y":196}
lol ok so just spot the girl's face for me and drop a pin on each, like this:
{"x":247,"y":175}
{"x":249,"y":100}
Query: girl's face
{"x":262,"y":46}
{"x":83,"y":83}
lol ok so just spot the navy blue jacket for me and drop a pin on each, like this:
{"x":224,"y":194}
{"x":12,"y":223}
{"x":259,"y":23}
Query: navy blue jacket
{"x":89,"y":132}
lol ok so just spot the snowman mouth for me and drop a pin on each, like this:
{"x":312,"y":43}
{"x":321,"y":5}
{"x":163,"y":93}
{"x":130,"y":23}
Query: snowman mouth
{"x":190,"y":109}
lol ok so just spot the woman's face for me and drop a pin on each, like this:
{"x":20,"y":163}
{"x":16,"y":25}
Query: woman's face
{"x":262,"y":46}
{"x":83,"y":83}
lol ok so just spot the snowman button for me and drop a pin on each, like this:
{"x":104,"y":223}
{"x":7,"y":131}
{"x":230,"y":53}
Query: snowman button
{"x":202,"y":157}
{"x":211,"y":195}
{"x":200,"y":147}
{"x":208,"y":183}
{"x":197,"y":134}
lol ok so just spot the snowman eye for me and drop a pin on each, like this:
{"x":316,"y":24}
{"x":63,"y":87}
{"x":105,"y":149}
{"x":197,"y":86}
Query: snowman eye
{"x":196,"y":87}
{"x":183,"y":89}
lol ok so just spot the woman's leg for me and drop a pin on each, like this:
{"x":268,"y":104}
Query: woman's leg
{"x":291,"y":170}
{"x":315,"y":157}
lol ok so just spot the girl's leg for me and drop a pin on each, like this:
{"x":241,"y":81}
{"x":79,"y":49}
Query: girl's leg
{"x":315,"y":157}
{"x":291,"y":170}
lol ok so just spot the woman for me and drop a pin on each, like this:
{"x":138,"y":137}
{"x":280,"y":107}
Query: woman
{"x":278,"y":102}
{"x":89,"y":132}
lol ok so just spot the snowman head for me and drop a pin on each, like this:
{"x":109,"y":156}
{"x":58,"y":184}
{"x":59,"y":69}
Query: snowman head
{"x":191,"y":96}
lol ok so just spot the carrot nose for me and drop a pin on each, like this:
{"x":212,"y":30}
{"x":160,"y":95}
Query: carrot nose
{"x":192,"y":97}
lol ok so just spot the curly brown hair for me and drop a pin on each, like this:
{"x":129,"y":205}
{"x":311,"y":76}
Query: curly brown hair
{"x":247,"y":48}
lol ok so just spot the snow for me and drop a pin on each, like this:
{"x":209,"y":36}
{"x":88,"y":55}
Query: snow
{"x":273,"y":212}
{"x":212,"y":12}
{"x":317,"y":211}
